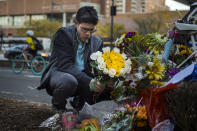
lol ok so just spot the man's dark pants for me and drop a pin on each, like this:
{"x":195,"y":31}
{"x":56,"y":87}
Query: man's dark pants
{"x":64,"y":85}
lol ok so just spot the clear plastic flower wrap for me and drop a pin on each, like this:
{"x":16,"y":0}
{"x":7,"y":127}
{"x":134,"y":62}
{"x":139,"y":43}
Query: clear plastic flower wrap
{"x":98,"y":110}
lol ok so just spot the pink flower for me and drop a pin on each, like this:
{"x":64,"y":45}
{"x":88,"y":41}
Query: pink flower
{"x":69,"y":120}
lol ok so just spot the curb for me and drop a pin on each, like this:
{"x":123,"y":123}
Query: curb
{"x":6,"y":63}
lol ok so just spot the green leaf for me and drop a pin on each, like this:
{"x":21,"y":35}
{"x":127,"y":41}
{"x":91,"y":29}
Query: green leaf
{"x":94,"y":64}
{"x":89,"y":128}
{"x":125,"y":124}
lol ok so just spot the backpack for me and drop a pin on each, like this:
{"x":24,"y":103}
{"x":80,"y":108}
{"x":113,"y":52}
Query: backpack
{"x":37,"y":43}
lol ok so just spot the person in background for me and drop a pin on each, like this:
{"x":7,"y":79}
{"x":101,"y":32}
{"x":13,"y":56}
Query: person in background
{"x":31,"y":49}
{"x":9,"y":38}
{"x":69,"y":73}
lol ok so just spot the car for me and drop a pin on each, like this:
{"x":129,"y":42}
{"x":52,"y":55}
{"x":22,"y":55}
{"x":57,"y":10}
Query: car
{"x":14,"y":51}
{"x":18,"y":49}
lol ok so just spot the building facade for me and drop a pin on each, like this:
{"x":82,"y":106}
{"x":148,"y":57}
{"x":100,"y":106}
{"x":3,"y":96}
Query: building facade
{"x":14,"y":13}
{"x":135,"y":6}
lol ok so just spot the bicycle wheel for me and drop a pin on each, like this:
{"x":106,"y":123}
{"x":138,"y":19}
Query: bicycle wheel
{"x":38,"y":65}
{"x":18,"y":64}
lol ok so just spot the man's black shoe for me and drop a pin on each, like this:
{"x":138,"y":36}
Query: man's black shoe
{"x":77,"y":103}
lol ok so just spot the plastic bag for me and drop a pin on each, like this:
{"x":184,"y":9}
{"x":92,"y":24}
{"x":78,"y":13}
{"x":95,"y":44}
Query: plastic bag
{"x":98,"y":110}
{"x":52,"y":122}
{"x":164,"y":126}
{"x":156,"y":104}
{"x":69,"y":119}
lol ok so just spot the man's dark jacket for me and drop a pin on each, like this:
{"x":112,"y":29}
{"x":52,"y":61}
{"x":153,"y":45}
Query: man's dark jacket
{"x":63,"y":56}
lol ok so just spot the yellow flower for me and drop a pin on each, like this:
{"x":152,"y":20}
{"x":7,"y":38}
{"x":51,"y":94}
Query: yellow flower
{"x":183,"y":52}
{"x":182,"y":46}
{"x":114,"y":60}
{"x":92,"y":121}
{"x":155,"y":72}
{"x":157,"y":83}
{"x":142,"y":114}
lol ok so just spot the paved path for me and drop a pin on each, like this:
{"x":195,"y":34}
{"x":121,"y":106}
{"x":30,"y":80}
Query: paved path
{"x":22,"y":86}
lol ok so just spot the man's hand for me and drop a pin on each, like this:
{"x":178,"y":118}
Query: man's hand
{"x":98,"y":86}
{"x":110,"y":83}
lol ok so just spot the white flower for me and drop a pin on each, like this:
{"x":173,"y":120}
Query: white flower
{"x":100,"y":59}
{"x":159,"y":57}
{"x":139,"y":76}
{"x":106,"y":71}
{"x":117,"y":42}
{"x":128,"y":62}
{"x":120,"y":40}
{"x":150,"y":64}
{"x":124,"y":56}
{"x":101,"y":66}
{"x":132,"y":84}
{"x":131,"y":77}
{"x":106,"y":49}
{"x":116,"y":50}
{"x":122,"y":72}
{"x":140,"y":69}
{"x":99,"y":54}
{"x":128,"y":69}
{"x":112,"y":72}
{"x":93,"y":56}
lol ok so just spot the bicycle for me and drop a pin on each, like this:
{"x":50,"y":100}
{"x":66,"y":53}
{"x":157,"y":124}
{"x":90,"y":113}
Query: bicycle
{"x":37,"y":64}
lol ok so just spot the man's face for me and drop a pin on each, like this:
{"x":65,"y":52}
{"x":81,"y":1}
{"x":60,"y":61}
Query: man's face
{"x":85,"y":30}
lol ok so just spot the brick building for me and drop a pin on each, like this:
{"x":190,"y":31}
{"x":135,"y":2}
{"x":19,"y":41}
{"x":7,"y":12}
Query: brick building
{"x":13,"y":13}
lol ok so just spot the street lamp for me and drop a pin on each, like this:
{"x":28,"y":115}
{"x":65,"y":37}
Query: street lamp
{"x":1,"y":31}
{"x":51,"y":21}
{"x":113,"y":13}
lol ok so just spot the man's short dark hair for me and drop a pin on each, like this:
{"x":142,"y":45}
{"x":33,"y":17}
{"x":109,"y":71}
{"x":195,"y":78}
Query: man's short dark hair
{"x":87,"y":14}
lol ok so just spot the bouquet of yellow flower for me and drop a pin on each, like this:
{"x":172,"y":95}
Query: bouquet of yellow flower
{"x":128,"y":117}
{"x":110,"y":65}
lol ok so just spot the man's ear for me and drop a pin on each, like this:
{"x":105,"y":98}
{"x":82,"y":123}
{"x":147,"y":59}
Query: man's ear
{"x":75,"y":21}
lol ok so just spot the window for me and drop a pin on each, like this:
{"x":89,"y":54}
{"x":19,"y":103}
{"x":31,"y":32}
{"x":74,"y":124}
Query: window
{"x":38,"y":17}
{"x":4,"y":21}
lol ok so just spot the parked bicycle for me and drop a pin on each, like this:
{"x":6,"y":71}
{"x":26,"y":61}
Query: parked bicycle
{"x":37,"y":64}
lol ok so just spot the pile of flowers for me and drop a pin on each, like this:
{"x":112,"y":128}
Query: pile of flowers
{"x":136,"y":64}
{"x":146,"y":59}
{"x":127,"y":117}
{"x":147,"y":71}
